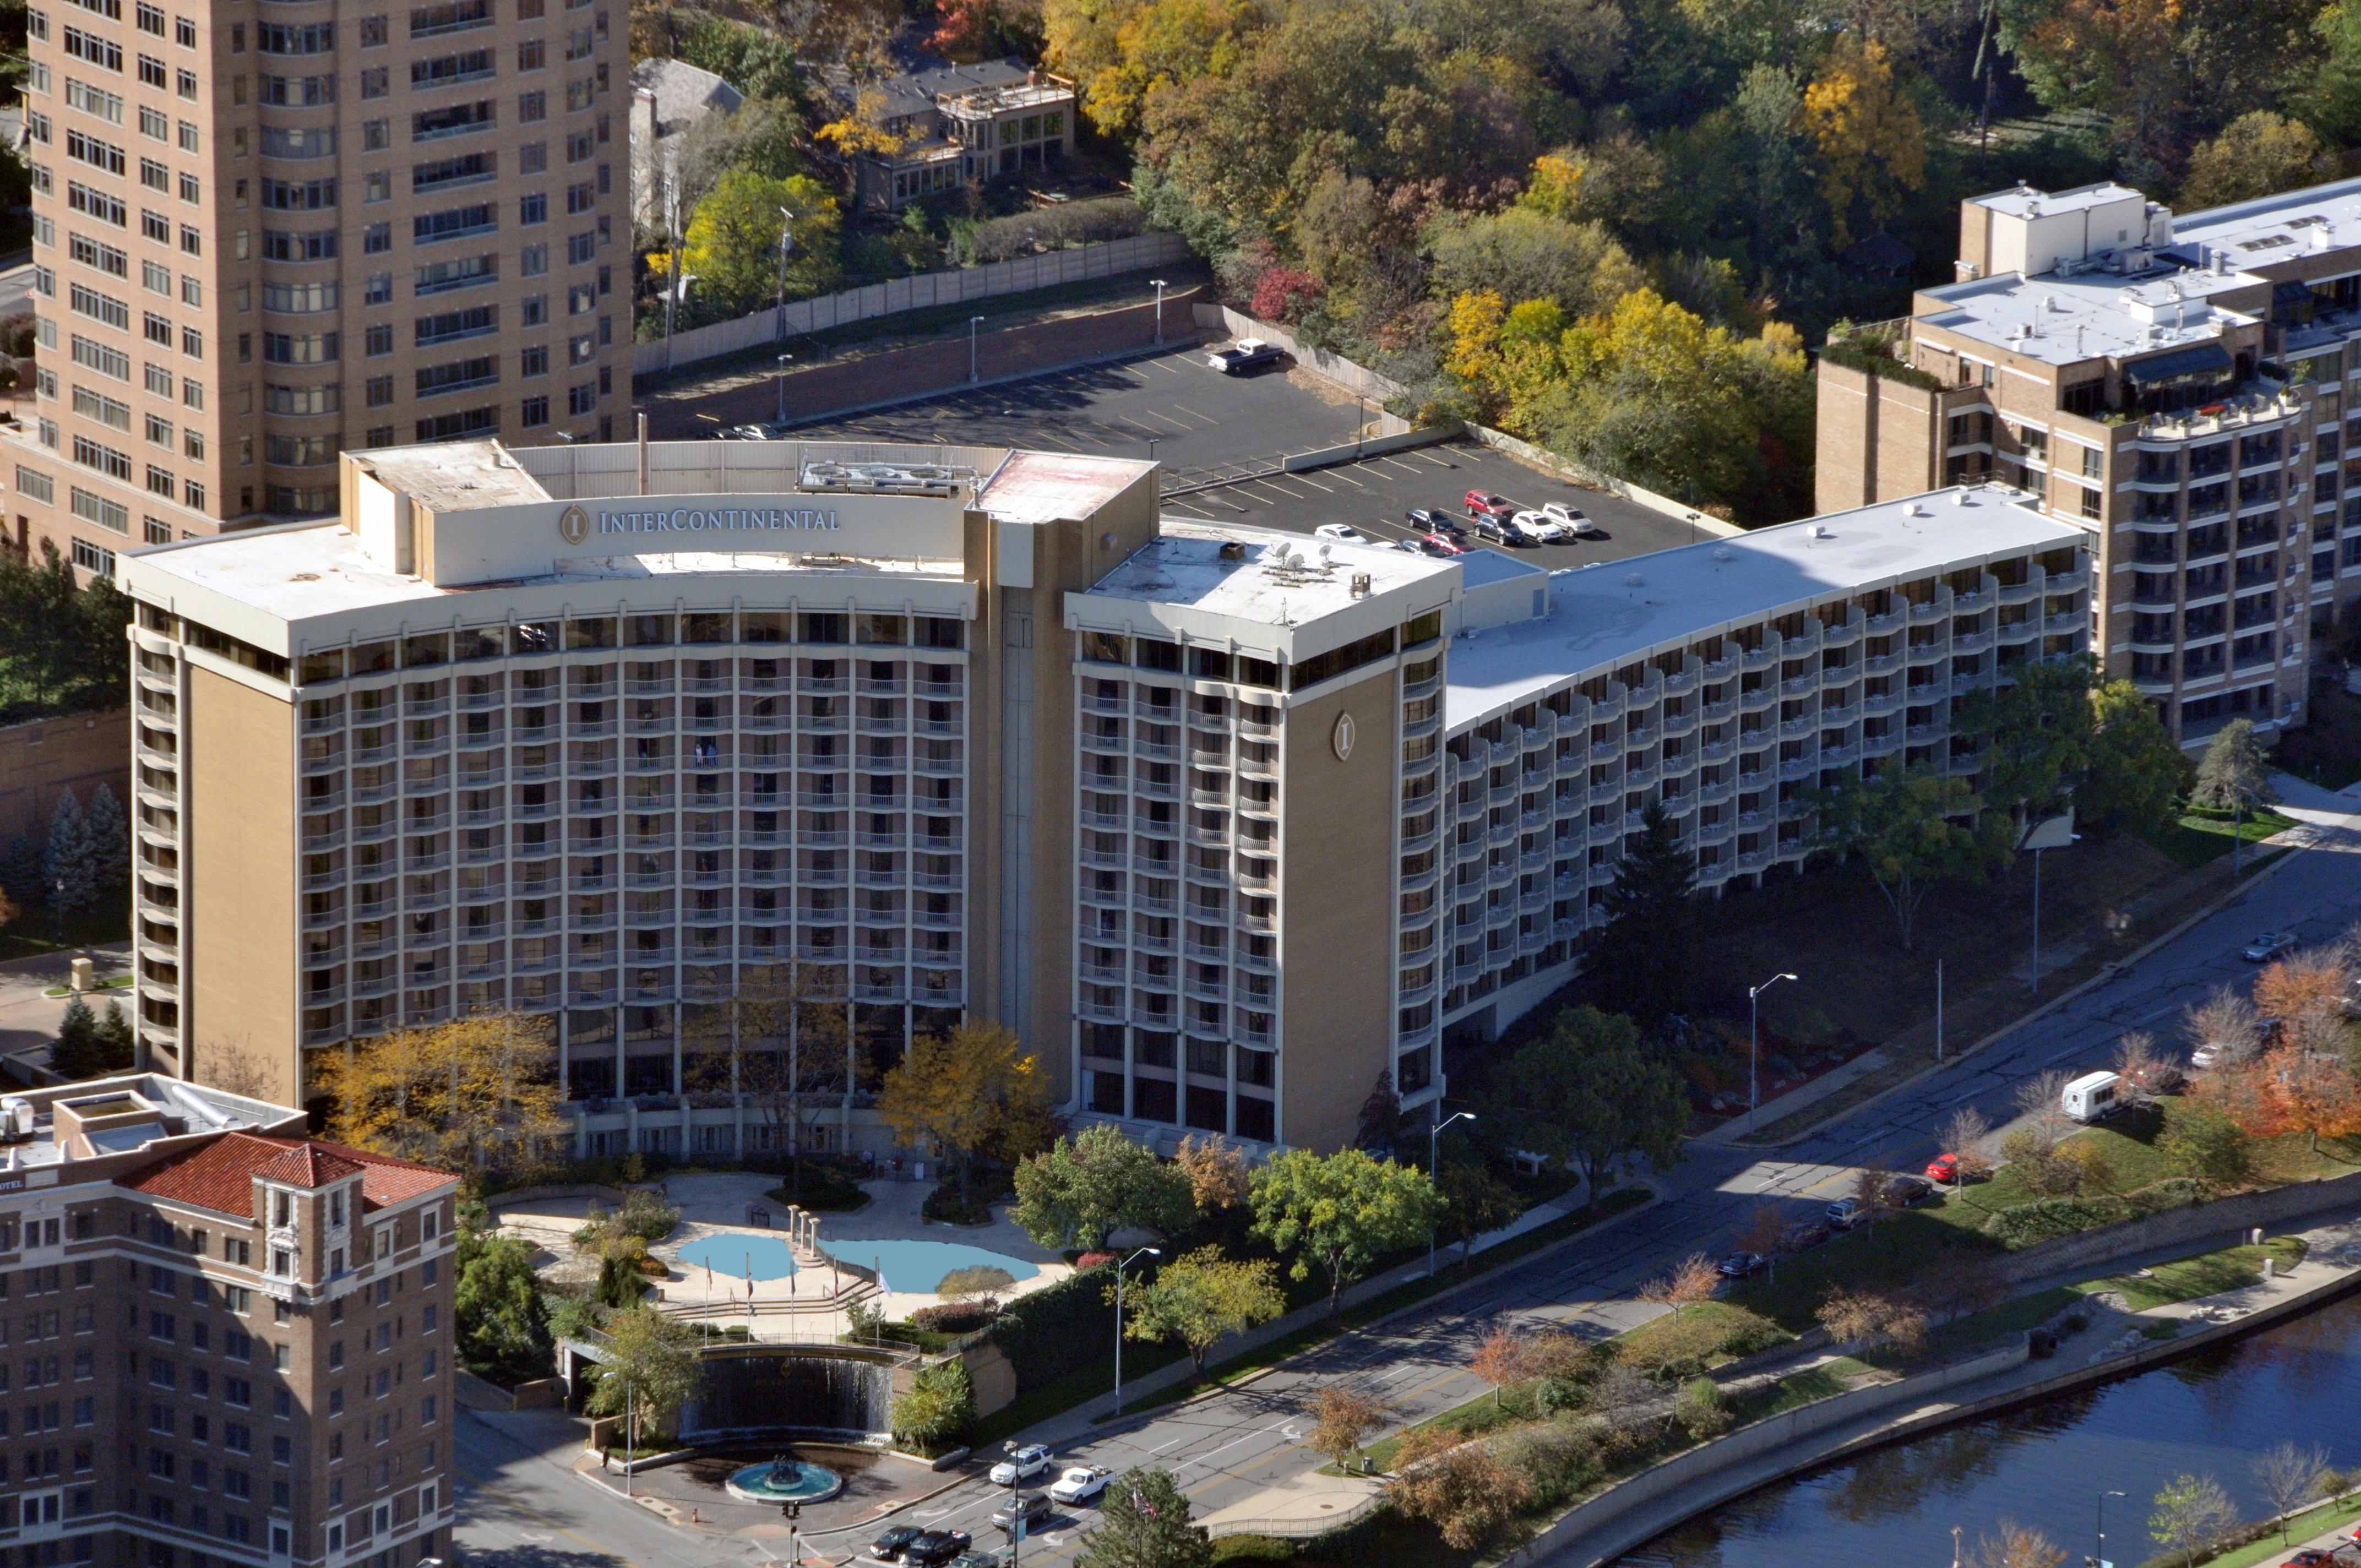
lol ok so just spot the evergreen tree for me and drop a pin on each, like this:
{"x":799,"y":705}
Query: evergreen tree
{"x":74,"y":1053}
{"x":67,"y":869}
{"x":115,"y":1046}
{"x":110,"y":839}
{"x":1638,"y":961}
{"x":20,"y":868}
{"x":1381,"y":1118}
{"x":2235,"y":776}
{"x":1144,"y":1523}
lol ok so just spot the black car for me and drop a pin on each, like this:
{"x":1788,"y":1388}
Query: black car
{"x":1901,"y":1191}
{"x":1427,"y":519}
{"x":935,"y":1547}
{"x":888,"y":1548}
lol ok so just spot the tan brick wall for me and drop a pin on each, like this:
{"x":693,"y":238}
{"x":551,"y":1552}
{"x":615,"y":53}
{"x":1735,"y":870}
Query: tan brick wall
{"x":239,"y":896}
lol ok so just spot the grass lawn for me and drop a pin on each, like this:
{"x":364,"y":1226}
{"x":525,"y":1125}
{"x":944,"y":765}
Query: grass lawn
{"x":1894,"y":1252}
{"x":1978,"y":1331}
{"x":2208,"y":1274}
{"x":2201,"y":836}
{"x":2303,"y":1526}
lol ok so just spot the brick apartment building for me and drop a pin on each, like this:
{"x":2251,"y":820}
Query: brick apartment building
{"x":263,"y":235}
{"x":228,"y":1345}
{"x":2177,"y":386}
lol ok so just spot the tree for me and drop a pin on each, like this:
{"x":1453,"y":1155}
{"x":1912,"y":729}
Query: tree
{"x":2257,"y":154}
{"x":1639,"y":960}
{"x":1869,"y":1319}
{"x":1691,"y":1280}
{"x":732,"y":243}
{"x":1203,"y":1297}
{"x":1345,"y":1422}
{"x":1380,"y":1126}
{"x":757,"y":136}
{"x":1907,"y":827}
{"x":74,"y":1053}
{"x":110,"y":840}
{"x":2234,"y":776}
{"x":1084,"y":1189}
{"x":116,"y":1047}
{"x":2191,"y":1511}
{"x":1871,"y":136}
{"x":1144,"y":1523}
{"x":651,"y":1370}
{"x":1698,"y":1407}
{"x":2303,"y":985}
{"x":2136,"y":1059}
{"x":2035,"y":736}
{"x":2133,"y":771}
{"x":61,"y":646}
{"x":2224,"y":1024}
{"x":21,"y":876}
{"x":960,"y":1091}
{"x":1587,"y":1093}
{"x":2288,"y":1474}
{"x":69,"y":863}
{"x":939,"y":1407}
{"x":477,"y":1093}
{"x":1523,"y":254}
{"x":1216,"y":1169}
{"x":2310,"y":1092}
{"x":1962,"y":1138}
{"x":1474,"y":1202}
{"x":502,"y":1318}
{"x":1506,"y":1356}
{"x":1338,"y":1213}
{"x":1462,"y":1488}
{"x":2040,"y":1101}
{"x":2017,"y":1546}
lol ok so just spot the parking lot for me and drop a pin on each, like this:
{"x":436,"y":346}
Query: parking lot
{"x":1205,"y":427}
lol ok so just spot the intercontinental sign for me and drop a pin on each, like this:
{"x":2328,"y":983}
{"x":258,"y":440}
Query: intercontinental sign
{"x":576,"y":526}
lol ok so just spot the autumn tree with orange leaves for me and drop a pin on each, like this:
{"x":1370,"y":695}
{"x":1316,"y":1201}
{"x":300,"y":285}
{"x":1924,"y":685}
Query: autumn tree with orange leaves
{"x":2310,"y":1091}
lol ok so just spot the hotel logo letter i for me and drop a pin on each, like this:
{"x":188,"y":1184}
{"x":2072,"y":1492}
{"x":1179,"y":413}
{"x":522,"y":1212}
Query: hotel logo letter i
{"x":1341,"y":738}
{"x":575,"y":524}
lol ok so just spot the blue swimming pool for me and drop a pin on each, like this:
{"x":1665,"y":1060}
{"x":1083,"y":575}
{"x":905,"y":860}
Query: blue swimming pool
{"x":909,"y":1267}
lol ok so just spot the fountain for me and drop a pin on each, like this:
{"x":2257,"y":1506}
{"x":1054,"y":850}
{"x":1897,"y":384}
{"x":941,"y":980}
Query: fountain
{"x":784,"y":1480}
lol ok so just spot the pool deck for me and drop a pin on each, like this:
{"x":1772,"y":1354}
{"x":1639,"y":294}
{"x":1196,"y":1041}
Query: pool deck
{"x":714,"y":1204}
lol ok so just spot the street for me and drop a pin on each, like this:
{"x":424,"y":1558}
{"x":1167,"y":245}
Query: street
{"x":1227,"y":1447}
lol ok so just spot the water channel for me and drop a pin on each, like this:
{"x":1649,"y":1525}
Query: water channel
{"x":2045,"y":1465}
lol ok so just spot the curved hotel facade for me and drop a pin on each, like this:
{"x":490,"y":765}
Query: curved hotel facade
{"x":745,"y":762}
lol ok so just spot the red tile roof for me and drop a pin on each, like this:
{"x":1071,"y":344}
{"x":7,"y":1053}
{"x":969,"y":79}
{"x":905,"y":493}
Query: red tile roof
{"x":220,"y":1175}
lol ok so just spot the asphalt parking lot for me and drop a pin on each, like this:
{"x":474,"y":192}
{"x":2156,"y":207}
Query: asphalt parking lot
{"x":1217,"y":436}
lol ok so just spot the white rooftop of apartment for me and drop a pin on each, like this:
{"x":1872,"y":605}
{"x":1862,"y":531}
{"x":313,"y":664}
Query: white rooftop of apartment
{"x":1599,"y":617}
{"x":126,"y":1114}
{"x":1263,"y":576}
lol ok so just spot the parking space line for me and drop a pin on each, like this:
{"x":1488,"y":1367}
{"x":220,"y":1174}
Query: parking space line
{"x":1199,"y":413}
{"x":1302,"y":479}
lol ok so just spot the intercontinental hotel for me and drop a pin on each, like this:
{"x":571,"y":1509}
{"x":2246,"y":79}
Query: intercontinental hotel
{"x":745,"y":762}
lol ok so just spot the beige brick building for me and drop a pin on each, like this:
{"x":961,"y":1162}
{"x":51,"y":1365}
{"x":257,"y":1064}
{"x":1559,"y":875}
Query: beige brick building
{"x":2175,"y":384}
{"x":266,"y":233}
{"x":231,"y":1344}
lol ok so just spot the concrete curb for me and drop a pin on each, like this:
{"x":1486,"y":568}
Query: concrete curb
{"x":2107,"y":973}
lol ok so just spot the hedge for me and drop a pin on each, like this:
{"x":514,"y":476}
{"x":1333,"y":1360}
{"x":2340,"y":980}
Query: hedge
{"x":1058,"y":1329}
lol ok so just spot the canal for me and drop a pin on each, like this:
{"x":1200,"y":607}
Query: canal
{"x":2045,"y":1465}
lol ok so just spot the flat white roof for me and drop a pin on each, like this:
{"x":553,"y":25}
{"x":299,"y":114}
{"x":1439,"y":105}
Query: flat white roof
{"x":1184,"y":568}
{"x":1603,"y":617}
{"x":2090,"y":315}
{"x":2023,"y":202}
{"x":2277,"y":227}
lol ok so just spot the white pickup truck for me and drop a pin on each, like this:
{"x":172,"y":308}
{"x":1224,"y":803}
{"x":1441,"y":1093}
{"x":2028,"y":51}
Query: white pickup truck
{"x":1244,"y":356}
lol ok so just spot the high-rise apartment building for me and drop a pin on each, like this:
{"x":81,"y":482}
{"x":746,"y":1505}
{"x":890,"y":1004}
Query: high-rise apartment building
{"x":1224,"y":823}
{"x":2176,"y":383}
{"x":230,"y":1346}
{"x":265,"y":232}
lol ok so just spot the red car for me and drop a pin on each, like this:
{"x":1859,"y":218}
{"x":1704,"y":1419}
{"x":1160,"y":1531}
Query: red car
{"x":1440,"y":544}
{"x":1944,"y":1168}
{"x":1484,"y":503}
{"x":2311,"y":1557}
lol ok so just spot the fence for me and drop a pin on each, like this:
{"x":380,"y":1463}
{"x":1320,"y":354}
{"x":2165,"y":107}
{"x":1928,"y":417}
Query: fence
{"x":1352,"y":378}
{"x":924,"y":291}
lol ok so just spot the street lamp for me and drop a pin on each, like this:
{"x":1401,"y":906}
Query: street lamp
{"x":1127,"y":1263}
{"x":1434,"y":1174}
{"x":787,"y":244}
{"x":2101,"y":1559}
{"x":1160,"y":286}
{"x":2050,"y":833}
{"x":1016,"y":1519}
{"x":783,"y":387}
{"x":971,"y":322}
{"x":1754,"y":1047}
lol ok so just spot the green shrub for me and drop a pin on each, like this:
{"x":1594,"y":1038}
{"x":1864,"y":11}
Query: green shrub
{"x":2025,"y":1223}
{"x":1057,"y":1330}
{"x":939,"y":1409}
{"x":980,"y":1281}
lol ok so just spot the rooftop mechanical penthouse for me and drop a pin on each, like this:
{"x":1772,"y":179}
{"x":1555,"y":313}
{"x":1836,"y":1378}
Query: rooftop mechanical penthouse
{"x":1222,"y":822}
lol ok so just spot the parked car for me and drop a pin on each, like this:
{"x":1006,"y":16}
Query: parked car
{"x":984,"y":1559}
{"x":1344,"y":532}
{"x":1741,"y":1266}
{"x":1943,"y":1168}
{"x":2093,"y":1097}
{"x":1022,"y":1465}
{"x":1081,"y":1484}
{"x":1846,"y":1212}
{"x":1544,"y":528}
{"x":1408,"y":546}
{"x":1484,"y":503}
{"x":2312,"y":1557}
{"x":1907,"y":1191}
{"x":1442,"y":546}
{"x":1244,"y":355}
{"x":1429,"y":519}
{"x":888,"y":1548}
{"x":936,"y":1548}
{"x":2268,"y":946}
{"x":1031,"y":1510}
{"x":1572,"y":517}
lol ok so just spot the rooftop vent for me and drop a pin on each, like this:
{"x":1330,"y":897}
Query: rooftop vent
{"x":1231,"y":550}
{"x":1724,"y":552}
{"x":1820,"y":529}
{"x":1360,"y":584}
{"x":1959,"y":498}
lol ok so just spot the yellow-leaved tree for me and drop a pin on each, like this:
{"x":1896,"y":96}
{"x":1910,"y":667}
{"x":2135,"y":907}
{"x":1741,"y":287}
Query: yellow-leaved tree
{"x":972,"y":1091}
{"x":478,"y":1092}
{"x":1871,"y":138}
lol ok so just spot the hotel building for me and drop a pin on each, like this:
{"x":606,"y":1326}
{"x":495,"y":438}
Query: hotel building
{"x":231,"y":1346}
{"x":266,"y":233}
{"x":1224,"y":823}
{"x":2176,"y":383}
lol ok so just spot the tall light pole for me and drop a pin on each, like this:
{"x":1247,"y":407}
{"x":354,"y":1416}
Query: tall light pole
{"x":2101,"y":1559}
{"x":783,"y":387}
{"x":1434,"y":1173}
{"x":971,"y":324}
{"x":1754,"y":1047}
{"x":1160,"y":286}
{"x":787,"y":244}
{"x":2050,"y":833}
{"x":1127,"y":1263}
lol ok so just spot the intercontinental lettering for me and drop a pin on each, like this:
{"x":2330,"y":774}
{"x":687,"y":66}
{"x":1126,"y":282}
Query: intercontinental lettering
{"x":684,"y":519}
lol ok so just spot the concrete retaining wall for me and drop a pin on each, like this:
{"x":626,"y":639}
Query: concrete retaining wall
{"x":2176,"y":1227}
{"x":926,"y":291}
{"x":1375,"y":446}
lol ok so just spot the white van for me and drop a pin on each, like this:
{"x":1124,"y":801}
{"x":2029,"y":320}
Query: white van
{"x":2093,"y":1097}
